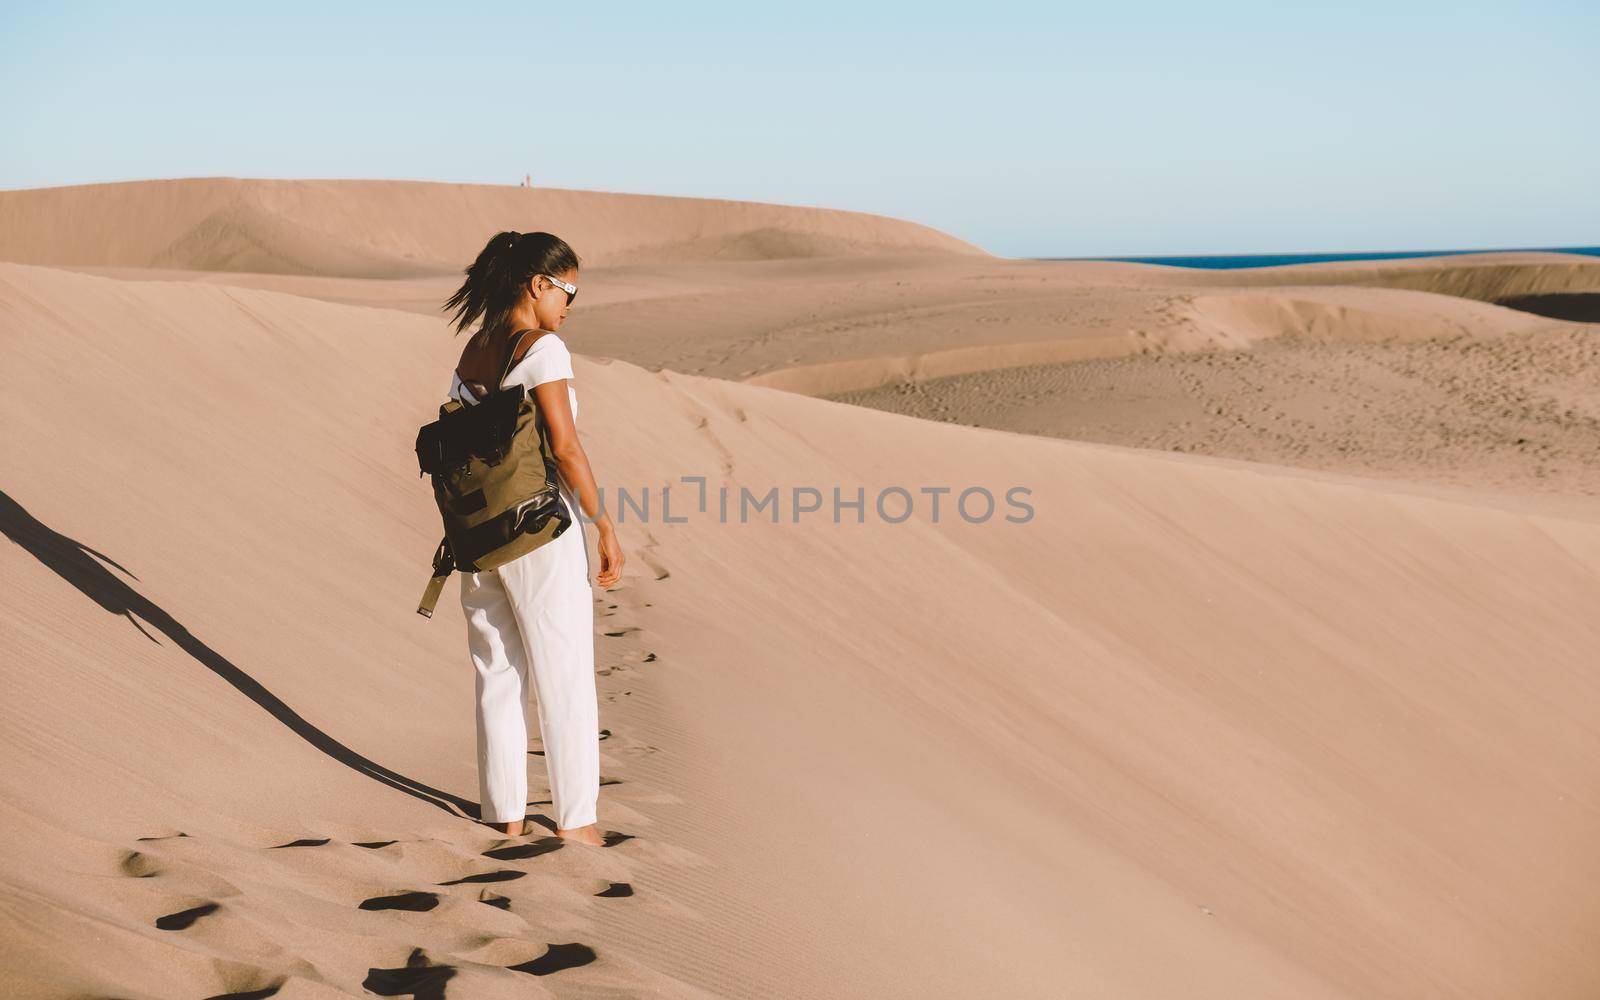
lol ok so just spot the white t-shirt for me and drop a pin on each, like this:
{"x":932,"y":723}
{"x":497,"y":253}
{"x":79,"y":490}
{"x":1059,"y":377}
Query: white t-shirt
{"x":547,"y":360}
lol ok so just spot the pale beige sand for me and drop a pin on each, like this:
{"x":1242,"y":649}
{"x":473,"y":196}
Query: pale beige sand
{"x":1517,"y":412}
{"x":1201,"y":728}
{"x":819,"y":324}
{"x":397,"y":229}
{"x":1394,"y":369}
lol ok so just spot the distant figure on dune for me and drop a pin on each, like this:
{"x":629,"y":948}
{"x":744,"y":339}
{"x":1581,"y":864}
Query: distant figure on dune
{"x":534,"y":613}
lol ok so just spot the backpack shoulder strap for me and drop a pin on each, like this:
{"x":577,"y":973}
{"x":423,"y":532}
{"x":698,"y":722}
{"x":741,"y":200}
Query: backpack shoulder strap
{"x":514,"y":355}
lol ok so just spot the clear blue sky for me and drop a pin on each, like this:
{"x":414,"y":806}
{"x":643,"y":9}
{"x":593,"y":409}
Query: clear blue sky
{"x":1049,"y":130}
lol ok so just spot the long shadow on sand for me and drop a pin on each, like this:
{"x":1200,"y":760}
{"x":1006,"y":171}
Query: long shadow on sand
{"x":71,"y":560}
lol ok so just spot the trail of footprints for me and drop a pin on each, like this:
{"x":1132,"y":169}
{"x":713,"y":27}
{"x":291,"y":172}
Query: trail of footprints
{"x":421,"y":977}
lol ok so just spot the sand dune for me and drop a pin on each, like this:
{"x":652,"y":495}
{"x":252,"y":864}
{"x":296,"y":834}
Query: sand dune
{"x":1201,"y":727}
{"x":1486,"y":277}
{"x":1410,"y":370}
{"x":1157,"y":322}
{"x":397,"y":229}
{"x":827,"y":325}
{"x":809,"y":300}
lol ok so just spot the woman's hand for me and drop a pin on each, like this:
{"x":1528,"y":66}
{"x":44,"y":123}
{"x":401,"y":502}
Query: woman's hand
{"x":610,"y":556}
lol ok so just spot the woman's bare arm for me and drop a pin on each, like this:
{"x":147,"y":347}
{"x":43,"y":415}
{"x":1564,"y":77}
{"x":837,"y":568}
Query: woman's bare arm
{"x":573,"y":462}
{"x":564,"y":444}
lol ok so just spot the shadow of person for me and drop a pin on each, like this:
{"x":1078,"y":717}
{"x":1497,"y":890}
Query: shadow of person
{"x":71,"y":560}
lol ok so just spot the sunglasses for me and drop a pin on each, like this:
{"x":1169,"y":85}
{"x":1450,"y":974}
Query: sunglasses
{"x":571,"y":290}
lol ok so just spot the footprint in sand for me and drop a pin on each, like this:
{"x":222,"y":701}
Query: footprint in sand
{"x":306,"y":842}
{"x":604,"y":734}
{"x":520,"y":852}
{"x":425,"y":981}
{"x":616,"y":890}
{"x":493,"y":900}
{"x":184,"y":918}
{"x":418,"y":978}
{"x":138,"y":865}
{"x":502,"y":875}
{"x":261,"y":994}
{"x":412,"y":902}
{"x":609,"y":839}
{"x":556,"y":958}
{"x":657,"y":567}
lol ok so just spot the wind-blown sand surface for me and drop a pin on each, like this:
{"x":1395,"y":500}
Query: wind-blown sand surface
{"x":1515,"y":412}
{"x":1200,"y":727}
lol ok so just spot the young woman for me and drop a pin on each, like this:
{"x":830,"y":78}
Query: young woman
{"x":534,"y":614}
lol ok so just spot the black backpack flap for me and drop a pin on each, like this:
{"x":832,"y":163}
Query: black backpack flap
{"x":461,"y":434}
{"x":482,"y":430}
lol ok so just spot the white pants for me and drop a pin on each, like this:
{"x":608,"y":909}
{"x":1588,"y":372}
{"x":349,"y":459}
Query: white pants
{"x":536,"y":611}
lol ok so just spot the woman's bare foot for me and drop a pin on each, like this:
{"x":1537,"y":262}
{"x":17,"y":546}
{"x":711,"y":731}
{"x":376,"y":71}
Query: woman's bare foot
{"x":583,"y":834}
{"x":515,"y":828}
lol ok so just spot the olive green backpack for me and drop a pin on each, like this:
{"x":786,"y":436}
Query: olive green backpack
{"x":494,"y":479}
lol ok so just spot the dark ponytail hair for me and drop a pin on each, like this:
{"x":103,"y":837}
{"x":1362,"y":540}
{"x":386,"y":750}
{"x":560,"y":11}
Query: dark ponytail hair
{"x":495,"y":280}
